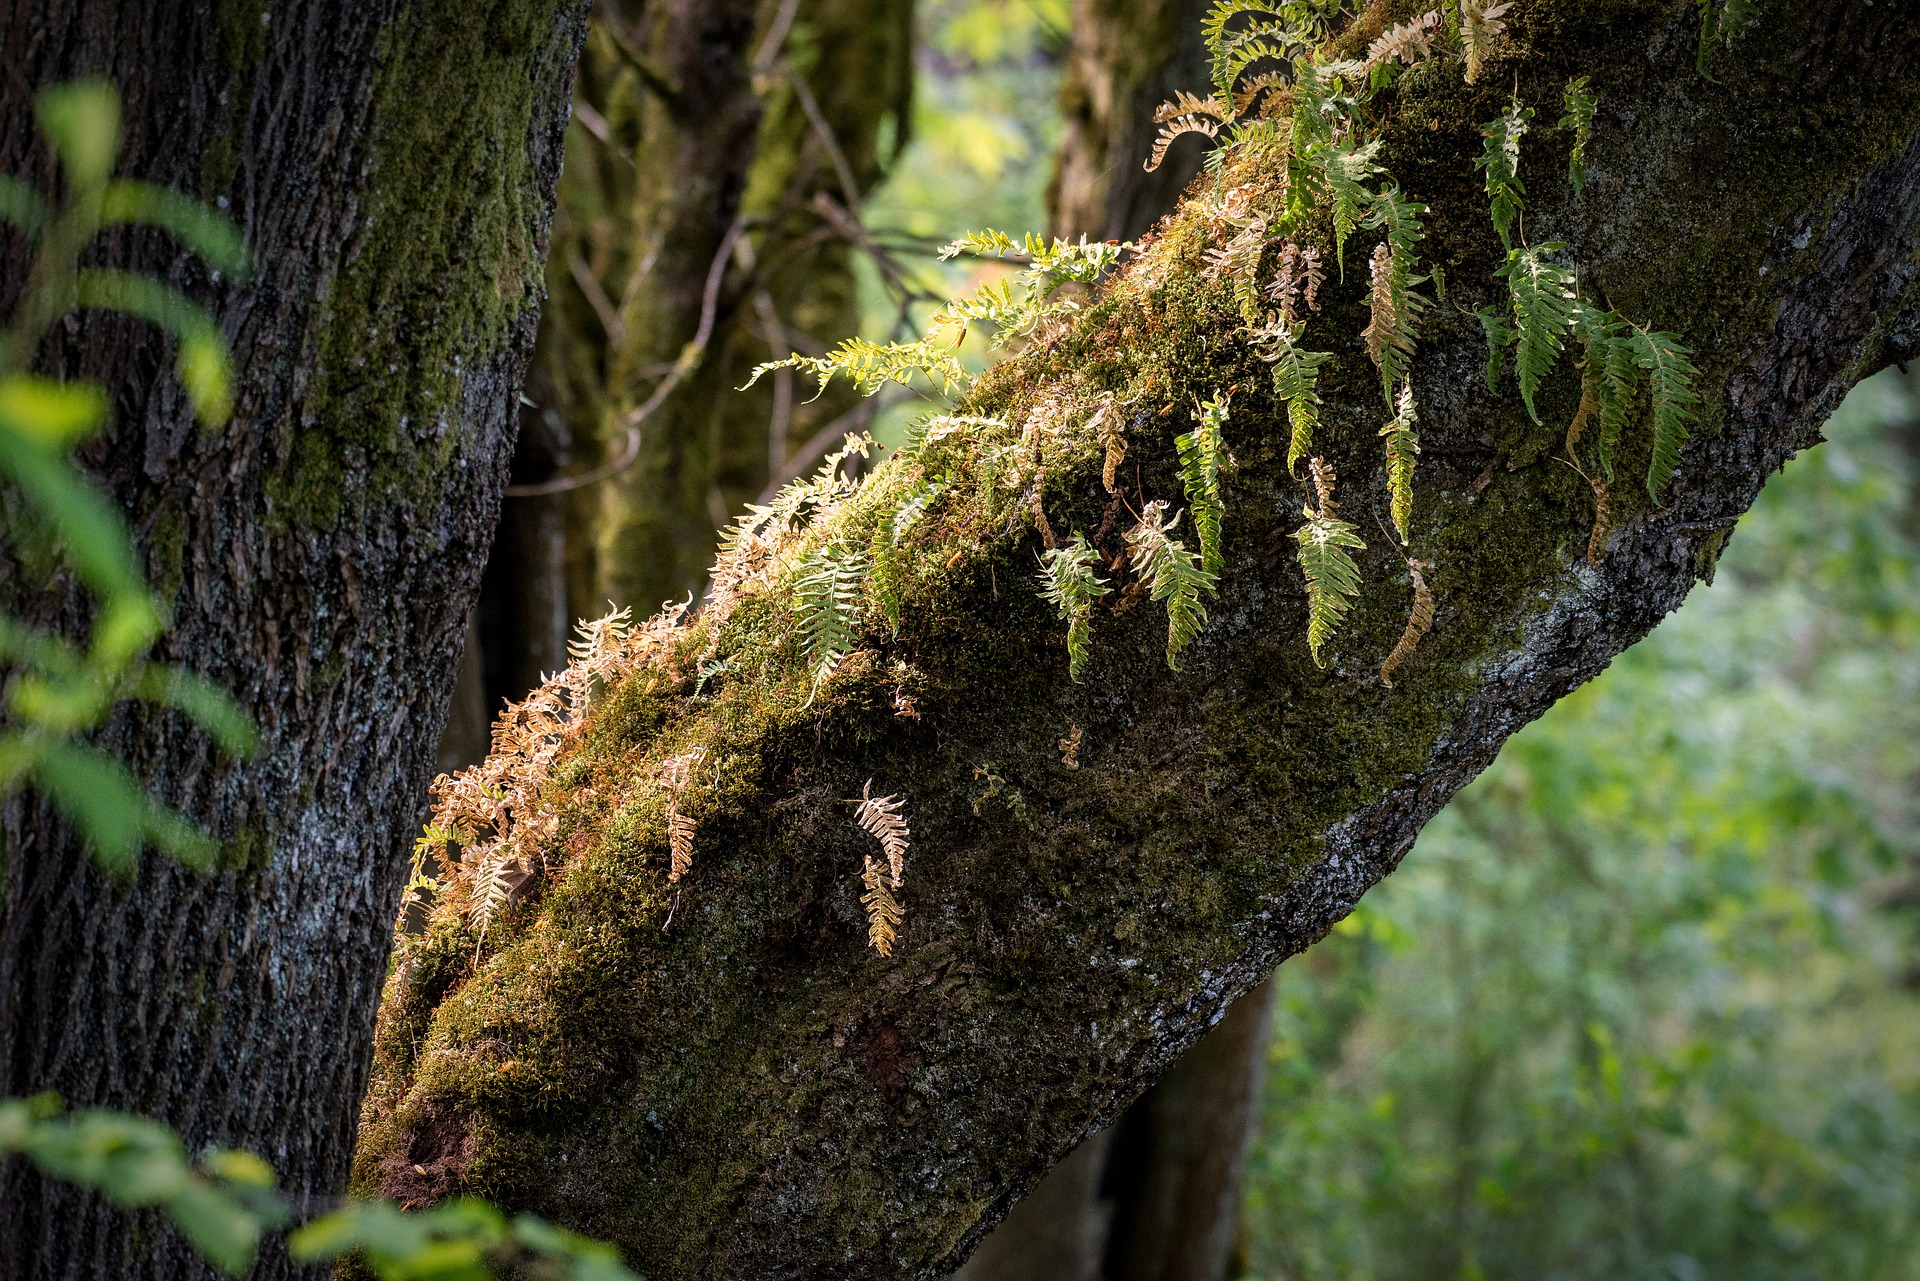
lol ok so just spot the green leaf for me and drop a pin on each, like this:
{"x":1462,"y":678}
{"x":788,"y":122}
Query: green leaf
{"x":1499,"y":338}
{"x":208,"y":234}
{"x":1201,"y":453}
{"x":1069,"y":583}
{"x":1173,"y":573}
{"x":1670,"y":375}
{"x":1500,"y":160}
{"x":1578,"y":104}
{"x":82,"y":120}
{"x":22,"y":206}
{"x":1544,"y":296}
{"x":202,"y":352}
{"x":209,"y":705}
{"x":52,"y":415}
{"x":1332,"y":576}
{"x":88,"y":526}
{"x":221,"y":1229}
{"x":1403,"y":445}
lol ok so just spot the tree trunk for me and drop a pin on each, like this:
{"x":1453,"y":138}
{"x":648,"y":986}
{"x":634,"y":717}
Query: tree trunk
{"x":392,"y":166}
{"x":747,"y":1090}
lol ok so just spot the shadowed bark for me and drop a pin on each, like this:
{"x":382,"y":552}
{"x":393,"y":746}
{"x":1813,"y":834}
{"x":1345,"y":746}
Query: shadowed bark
{"x":392,"y":166}
{"x":750,"y":1092}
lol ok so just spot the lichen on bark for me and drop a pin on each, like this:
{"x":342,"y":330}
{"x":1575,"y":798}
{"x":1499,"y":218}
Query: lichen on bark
{"x":746,"y":1091}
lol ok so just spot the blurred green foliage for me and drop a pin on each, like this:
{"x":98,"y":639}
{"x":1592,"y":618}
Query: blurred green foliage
{"x":52,"y":513}
{"x":1642,"y":1003}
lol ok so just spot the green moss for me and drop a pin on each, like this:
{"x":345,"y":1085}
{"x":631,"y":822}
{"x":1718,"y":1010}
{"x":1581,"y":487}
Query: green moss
{"x":250,"y":849}
{"x":445,"y":265}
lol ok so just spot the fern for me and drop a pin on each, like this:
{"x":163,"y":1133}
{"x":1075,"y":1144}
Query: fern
{"x":1174,"y":129}
{"x":1499,"y":338}
{"x":827,"y":606}
{"x":1394,"y":307}
{"x":1579,"y":103}
{"x":1419,"y":622}
{"x":1174,"y":575}
{"x":1297,"y":280}
{"x":885,"y":552}
{"x":883,"y":910}
{"x":1069,"y":583}
{"x":1201,"y":452}
{"x":1609,"y":382}
{"x":1670,"y":376}
{"x":1273,"y":30}
{"x":1407,"y":42}
{"x":1500,"y":161}
{"x":1296,"y":376}
{"x":1343,"y":171}
{"x":1327,"y":544}
{"x":1403,"y":444}
{"x":1480,"y":25}
{"x":880,"y":818}
{"x":1113,"y":445}
{"x":1720,"y":22}
{"x":1544,"y":297}
{"x":1238,"y":261}
{"x":870,"y":365}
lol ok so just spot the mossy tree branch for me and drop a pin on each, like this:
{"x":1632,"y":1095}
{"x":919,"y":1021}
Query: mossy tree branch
{"x":747,"y":1091}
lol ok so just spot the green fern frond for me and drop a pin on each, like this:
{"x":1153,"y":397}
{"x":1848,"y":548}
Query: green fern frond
{"x":1173,"y":574}
{"x":870,"y":365}
{"x":826,"y":604}
{"x":1202,"y":452}
{"x":1403,"y":444}
{"x":1343,"y":171}
{"x":1499,"y":338}
{"x":1578,"y":105}
{"x":1609,"y":378}
{"x":1069,"y":583}
{"x":1544,"y":295}
{"x":885,"y":553}
{"x":1296,"y":376}
{"x":1500,"y":161}
{"x":1271,"y":30}
{"x":1720,"y":22}
{"x":1670,"y":376}
{"x":1327,"y":544}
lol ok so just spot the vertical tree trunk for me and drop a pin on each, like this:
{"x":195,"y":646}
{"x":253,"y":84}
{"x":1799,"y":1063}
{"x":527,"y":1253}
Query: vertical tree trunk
{"x":392,"y":166}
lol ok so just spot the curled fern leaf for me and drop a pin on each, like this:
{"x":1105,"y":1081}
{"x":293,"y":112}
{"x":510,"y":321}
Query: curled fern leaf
{"x":1403,"y":444}
{"x":1201,"y":453}
{"x":1670,"y":375}
{"x":1174,"y":575}
{"x":1578,"y":106}
{"x":1419,"y":622}
{"x":1544,"y":296}
{"x":1327,"y":544}
{"x":1069,"y":583}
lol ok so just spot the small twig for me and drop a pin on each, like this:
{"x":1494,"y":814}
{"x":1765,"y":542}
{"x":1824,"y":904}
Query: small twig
{"x":597,"y":298}
{"x":776,"y":37}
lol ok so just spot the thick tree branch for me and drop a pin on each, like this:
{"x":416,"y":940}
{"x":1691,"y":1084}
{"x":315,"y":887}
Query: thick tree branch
{"x":753,"y":1094}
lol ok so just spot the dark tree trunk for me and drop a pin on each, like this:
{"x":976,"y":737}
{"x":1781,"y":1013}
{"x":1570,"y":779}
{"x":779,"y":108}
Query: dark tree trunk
{"x":392,"y":166}
{"x":751,"y":1092}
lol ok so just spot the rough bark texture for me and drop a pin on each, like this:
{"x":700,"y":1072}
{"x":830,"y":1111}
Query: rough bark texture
{"x":392,"y":166}
{"x":693,"y":141}
{"x":749,"y":1091}
{"x":1126,"y":58}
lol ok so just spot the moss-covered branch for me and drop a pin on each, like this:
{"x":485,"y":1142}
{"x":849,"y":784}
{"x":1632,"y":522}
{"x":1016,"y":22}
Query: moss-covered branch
{"x":719,"y":1074}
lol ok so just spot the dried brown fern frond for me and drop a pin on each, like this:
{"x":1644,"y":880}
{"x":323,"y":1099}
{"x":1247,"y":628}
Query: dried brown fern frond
{"x":880,"y":818}
{"x":883,"y":910}
{"x":1173,"y":128}
{"x":1297,"y":280}
{"x":1602,"y":520}
{"x":1324,"y":482}
{"x":1249,"y":94}
{"x":1184,"y":103}
{"x":1070,"y":747}
{"x":494,"y":884}
{"x":1106,"y":429}
{"x":1419,"y":622}
{"x":1407,"y":42}
{"x":1384,"y":330}
{"x":676,"y":773}
{"x":1480,"y":25}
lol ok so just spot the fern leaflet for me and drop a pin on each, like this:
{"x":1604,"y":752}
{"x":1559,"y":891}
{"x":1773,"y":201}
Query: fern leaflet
{"x":1296,"y":375}
{"x":1403,"y":443}
{"x":1500,"y":160}
{"x":1069,"y":583}
{"x":1578,"y":102}
{"x":883,"y":910}
{"x":1544,"y":298}
{"x":827,"y":606}
{"x":1174,"y":575}
{"x":1327,"y":544}
{"x":1202,"y":452}
{"x":1419,"y":622}
{"x":880,"y":818}
{"x":1670,"y":375}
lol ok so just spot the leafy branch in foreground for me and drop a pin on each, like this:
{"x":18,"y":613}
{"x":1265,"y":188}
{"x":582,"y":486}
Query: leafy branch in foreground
{"x":60,"y":691}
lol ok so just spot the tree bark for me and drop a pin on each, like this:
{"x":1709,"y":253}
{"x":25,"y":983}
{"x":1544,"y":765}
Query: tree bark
{"x":748,"y":1091}
{"x":392,"y":167}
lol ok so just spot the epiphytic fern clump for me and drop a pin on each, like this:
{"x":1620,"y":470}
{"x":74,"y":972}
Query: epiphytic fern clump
{"x":1327,"y":544}
{"x":1070,"y":583}
{"x":1174,"y":575}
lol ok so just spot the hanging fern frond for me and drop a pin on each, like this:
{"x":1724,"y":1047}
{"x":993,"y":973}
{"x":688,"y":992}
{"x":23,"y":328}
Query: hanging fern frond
{"x":1544,"y":295}
{"x":1609,"y":384}
{"x":883,"y":910}
{"x":1499,"y":338}
{"x":1327,"y":544}
{"x":1500,"y":161}
{"x":1202,"y":452}
{"x":1296,"y":280}
{"x":1105,"y":425}
{"x":1480,"y":25}
{"x":1670,"y":376}
{"x":1173,"y":574}
{"x":1296,"y":376}
{"x":880,"y":818}
{"x":1238,"y":262}
{"x":1186,"y":104}
{"x":1342,"y":171}
{"x":675,"y":775}
{"x":1578,"y":104}
{"x":494,"y":883}
{"x":1403,"y":445}
{"x":1720,"y":22}
{"x":826,"y":603}
{"x":1395,"y":308}
{"x":1419,"y":623}
{"x":1069,"y":582}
